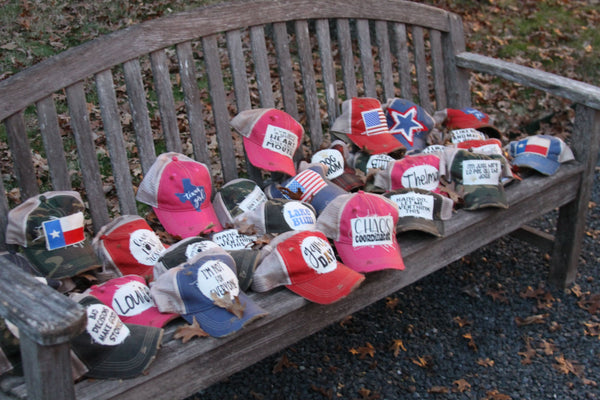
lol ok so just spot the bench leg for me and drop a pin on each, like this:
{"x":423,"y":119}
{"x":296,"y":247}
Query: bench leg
{"x":571,"y":220}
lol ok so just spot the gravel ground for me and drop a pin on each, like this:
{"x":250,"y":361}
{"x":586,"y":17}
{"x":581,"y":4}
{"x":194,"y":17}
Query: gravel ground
{"x":486,"y":327}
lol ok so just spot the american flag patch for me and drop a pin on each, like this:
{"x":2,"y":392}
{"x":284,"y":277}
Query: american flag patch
{"x":375,"y":122}
{"x":308,"y":182}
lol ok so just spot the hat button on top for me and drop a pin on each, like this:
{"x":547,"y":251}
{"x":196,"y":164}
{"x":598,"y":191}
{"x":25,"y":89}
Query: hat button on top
{"x":42,"y":198}
{"x":175,"y":158}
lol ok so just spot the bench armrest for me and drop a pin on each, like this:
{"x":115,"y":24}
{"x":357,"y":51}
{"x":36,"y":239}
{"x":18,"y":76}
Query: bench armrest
{"x":576,"y":91}
{"x":44,"y":315}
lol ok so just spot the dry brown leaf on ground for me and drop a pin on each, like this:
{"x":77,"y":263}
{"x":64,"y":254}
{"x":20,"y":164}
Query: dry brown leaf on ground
{"x":532,"y":319}
{"x":283,"y":363}
{"x":396,"y":346}
{"x":461,"y":385}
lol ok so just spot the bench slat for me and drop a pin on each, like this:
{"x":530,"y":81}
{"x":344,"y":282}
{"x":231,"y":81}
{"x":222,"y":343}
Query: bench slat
{"x":21,"y":152}
{"x":285,"y":68}
{"x":261,"y":66}
{"x":55,"y":152}
{"x":139,"y":113}
{"x":166,"y":102}
{"x":347,"y":58}
{"x":219,"y":108}
{"x":366,"y":57}
{"x":457,"y":80}
{"x":385,"y":59}
{"x":401,"y":52}
{"x":439,"y":79}
{"x":421,"y":68}
{"x":327,"y":69}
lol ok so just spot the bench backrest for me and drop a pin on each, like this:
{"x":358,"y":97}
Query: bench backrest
{"x":100,"y":113}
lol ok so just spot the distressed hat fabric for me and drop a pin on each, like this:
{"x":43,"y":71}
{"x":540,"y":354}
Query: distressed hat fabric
{"x":50,"y":228}
{"x":281,"y":215}
{"x":309,"y":186}
{"x":418,"y":171}
{"x":542,"y":153}
{"x":130,"y":245}
{"x":197,"y":290}
{"x":421,"y":210}
{"x":305,"y":263}
{"x":408,"y":122}
{"x":491,"y":146}
{"x":348,"y":179}
{"x":179,"y":189}
{"x":235,"y":198}
{"x":363,"y":122}
{"x":469,"y":117}
{"x":271,"y":138}
{"x":129,"y":296}
{"x":363,"y":228}
{"x":112,"y":349}
{"x":367,"y":162}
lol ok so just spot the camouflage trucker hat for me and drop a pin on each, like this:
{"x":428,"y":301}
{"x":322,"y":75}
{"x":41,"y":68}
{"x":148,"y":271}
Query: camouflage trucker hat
{"x":50,"y":228}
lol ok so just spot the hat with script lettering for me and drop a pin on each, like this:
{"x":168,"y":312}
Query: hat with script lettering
{"x":282,"y":215}
{"x":367,"y":162}
{"x":246,"y":260}
{"x":363,"y":228}
{"x":233,"y":239}
{"x":408,"y":122}
{"x":418,"y":171}
{"x":129,"y":244}
{"x":271,"y":137}
{"x":421,"y":210}
{"x":179,"y":190}
{"x":206,"y":288}
{"x":363,"y":122}
{"x":309,"y":186}
{"x":471,"y":118}
{"x":112,"y":349}
{"x":305,"y":263}
{"x":50,"y":228}
{"x":542,"y":153}
{"x":478,"y":177}
{"x":235,"y":198}
{"x":129,"y":297}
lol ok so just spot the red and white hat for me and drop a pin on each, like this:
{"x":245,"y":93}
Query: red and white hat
{"x":130,"y":298}
{"x":418,"y":171}
{"x":364,"y":123}
{"x":305,"y":263}
{"x":130,"y":245}
{"x":271,"y":137}
{"x":363,"y":228}
{"x":179,"y":190}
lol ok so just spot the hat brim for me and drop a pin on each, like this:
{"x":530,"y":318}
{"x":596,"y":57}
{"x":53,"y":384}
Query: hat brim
{"x":537,"y":162}
{"x":324,"y":196}
{"x":267,"y":159}
{"x":483,"y":196}
{"x":370,"y":258}
{"x":246,"y":262}
{"x":65,"y":262}
{"x":349,"y":181}
{"x":189,"y":223}
{"x":376,"y":144}
{"x":330,"y":287}
{"x":433,"y":227}
{"x":219,"y":322}
{"x":150,"y":317}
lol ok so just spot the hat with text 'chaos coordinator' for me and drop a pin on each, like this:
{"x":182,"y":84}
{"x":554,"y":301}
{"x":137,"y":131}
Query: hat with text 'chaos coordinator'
{"x":50,"y":228}
{"x":363,"y":228}
{"x":305,"y":263}
{"x":271,"y":137}
{"x":179,"y":190}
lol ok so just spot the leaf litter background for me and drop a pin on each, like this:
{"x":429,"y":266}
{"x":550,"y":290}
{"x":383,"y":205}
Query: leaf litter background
{"x":486,"y":327}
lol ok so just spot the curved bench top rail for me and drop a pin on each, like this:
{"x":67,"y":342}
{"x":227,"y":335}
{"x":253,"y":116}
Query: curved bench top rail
{"x":103,"y":53}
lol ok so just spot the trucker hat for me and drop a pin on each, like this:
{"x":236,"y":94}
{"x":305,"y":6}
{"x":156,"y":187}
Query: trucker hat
{"x":408,"y":122}
{"x":281,"y":215}
{"x":469,"y":117}
{"x":418,"y":171}
{"x":542,"y":153}
{"x":235,"y":198}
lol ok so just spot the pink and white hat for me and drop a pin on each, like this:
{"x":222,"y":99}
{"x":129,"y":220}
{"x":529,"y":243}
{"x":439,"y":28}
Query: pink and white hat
{"x":179,"y":190}
{"x":271,"y":137}
{"x":305,"y":263}
{"x":415,"y":172}
{"x":130,"y":298}
{"x":364,"y":123}
{"x":363,"y":228}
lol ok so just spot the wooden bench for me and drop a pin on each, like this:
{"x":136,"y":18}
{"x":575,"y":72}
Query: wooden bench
{"x":101,"y":112}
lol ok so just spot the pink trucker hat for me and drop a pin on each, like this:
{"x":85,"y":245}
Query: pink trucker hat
{"x":271,"y":137}
{"x":130,"y":298}
{"x":364,"y":123}
{"x":363,"y":228}
{"x":179,"y":190}
{"x":305,"y":263}
{"x":418,"y":171}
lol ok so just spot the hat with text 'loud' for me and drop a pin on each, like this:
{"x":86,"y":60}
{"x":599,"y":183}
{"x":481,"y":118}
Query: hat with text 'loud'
{"x":305,"y":263}
{"x":50,"y":229}
{"x":130,"y":298}
{"x":271,"y":137}
{"x":206,"y":289}
{"x":179,"y":190}
{"x":363,"y":228}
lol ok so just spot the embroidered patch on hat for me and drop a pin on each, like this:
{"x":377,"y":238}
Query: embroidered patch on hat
{"x":64,"y":231}
{"x":332,"y":159}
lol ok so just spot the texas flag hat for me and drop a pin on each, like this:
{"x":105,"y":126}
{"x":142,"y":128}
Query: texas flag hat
{"x":271,"y":137}
{"x":130,"y":298}
{"x":542,"y":153}
{"x":408,"y":122}
{"x":363,"y":122}
{"x":305,"y":263}
{"x":363,"y":228}
{"x":179,"y":190}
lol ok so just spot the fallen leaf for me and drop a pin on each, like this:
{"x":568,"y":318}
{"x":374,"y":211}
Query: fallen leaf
{"x":590,"y":303}
{"x":497,"y":295}
{"x":367,"y":350}
{"x":485,"y":362}
{"x":234,"y":305}
{"x":420,"y":361}
{"x":547,"y":347}
{"x":496,"y":395}
{"x":327,"y":393}
{"x":462,"y":322}
{"x":533,"y":319}
{"x":391,"y":302}
{"x":471,"y":343}
{"x":528,"y":354}
{"x":397,"y":345}
{"x":567,"y":366}
{"x":187,"y":332}
{"x":283,"y":363}
{"x":438,"y":390}
{"x":345,"y":321}
{"x":461,"y":386}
